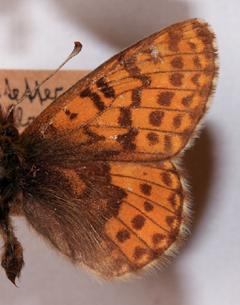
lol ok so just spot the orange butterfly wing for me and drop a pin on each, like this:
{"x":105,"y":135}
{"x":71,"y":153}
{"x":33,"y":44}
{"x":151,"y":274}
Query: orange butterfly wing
{"x":145,"y":101}
{"x":97,"y":195}
{"x":113,"y":217}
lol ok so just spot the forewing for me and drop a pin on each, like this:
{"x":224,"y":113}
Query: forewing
{"x":113,"y":218}
{"x":143,"y":104}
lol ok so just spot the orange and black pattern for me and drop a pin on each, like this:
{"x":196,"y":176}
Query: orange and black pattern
{"x":98,"y":171}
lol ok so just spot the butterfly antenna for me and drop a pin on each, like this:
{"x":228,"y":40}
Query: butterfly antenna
{"x":76,"y":50}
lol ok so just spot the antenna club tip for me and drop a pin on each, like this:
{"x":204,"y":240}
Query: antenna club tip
{"x":78,"y":46}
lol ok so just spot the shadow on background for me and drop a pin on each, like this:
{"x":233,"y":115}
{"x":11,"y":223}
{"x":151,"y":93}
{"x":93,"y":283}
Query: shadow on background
{"x":199,"y":164}
{"x":122,"y":23}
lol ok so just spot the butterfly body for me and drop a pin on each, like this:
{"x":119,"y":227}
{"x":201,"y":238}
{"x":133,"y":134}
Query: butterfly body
{"x":97,"y":170}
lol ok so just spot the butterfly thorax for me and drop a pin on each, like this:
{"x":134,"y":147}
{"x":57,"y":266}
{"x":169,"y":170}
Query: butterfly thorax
{"x":9,"y":160}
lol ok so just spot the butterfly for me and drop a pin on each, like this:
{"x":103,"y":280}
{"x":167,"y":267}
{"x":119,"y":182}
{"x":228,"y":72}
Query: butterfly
{"x":97,"y":172}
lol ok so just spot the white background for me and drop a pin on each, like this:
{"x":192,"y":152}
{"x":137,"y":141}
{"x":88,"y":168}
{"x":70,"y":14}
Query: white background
{"x":39,"y":35}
